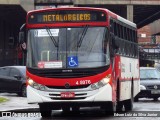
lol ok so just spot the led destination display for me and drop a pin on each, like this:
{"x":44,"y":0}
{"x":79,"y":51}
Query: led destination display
{"x":66,"y":16}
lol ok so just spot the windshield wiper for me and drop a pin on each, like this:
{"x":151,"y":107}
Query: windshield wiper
{"x":51,"y":36}
{"x":83,"y":35}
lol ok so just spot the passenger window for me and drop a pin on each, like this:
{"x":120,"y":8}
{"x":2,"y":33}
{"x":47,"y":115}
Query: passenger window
{"x":4,"y":71}
{"x":115,"y":28}
{"x":14,"y":72}
{"x":112,"y":26}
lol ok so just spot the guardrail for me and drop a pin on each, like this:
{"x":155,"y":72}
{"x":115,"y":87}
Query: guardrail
{"x":149,"y":54}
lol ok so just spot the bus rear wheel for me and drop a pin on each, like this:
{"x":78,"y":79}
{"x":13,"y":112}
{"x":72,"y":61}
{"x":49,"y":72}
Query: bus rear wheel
{"x":136,"y":99}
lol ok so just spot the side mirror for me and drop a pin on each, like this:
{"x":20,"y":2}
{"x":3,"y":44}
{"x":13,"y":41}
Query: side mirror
{"x":24,"y":47}
{"x":22,"y":41}
{"x":18,"y":77}
{"x":21,"y":37}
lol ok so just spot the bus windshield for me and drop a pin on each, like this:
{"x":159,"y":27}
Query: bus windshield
{"x":78,"y":47}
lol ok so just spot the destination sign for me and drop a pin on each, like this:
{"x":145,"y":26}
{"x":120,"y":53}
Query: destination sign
{"x":66,"y":16}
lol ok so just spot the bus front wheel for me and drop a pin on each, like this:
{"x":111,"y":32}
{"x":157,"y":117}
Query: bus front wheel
{"x":76,"y":109}
{"x":109,"y":108}
{"x":66,"y":109}
{"x":45,"y":110}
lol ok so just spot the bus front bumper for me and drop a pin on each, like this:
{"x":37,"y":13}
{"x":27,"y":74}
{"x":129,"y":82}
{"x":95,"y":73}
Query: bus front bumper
{"x":103,"y":94}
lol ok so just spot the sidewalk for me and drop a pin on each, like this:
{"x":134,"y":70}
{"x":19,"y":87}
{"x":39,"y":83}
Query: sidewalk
{"x":15,"y":103}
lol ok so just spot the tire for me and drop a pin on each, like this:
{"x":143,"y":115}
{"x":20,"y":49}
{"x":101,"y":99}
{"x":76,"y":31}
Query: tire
{"x":66,"y":109}
{"x":136,"y":99}
{"x":75,"y":109}
{"x":129,"y":104}
{"x":119,"y":106}
{"x":109,"y":108}
{"x":23,"y":91}
{"x":45,"y":111}
{"x":155,"y":98}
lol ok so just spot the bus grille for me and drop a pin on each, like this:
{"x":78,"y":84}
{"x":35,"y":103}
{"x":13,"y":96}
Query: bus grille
{"x":78,"y":96}
{"x":152,"y":87}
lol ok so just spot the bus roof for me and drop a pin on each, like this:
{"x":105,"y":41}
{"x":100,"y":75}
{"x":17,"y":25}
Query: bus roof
{"x":113,"y":15}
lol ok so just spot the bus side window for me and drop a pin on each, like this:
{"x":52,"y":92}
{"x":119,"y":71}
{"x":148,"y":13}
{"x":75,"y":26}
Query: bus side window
{"x":115,"y":28}
{"x":131,"y":50}
{"x":120,"y":48}
{"x":130,"y":37}
{"x":111,"y":26}
{"x":134,"y":37}
{"x":125,"y":33}
{"x":121,"y":33}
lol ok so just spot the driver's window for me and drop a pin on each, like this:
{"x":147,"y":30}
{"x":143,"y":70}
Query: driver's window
{"x":14,"y":72}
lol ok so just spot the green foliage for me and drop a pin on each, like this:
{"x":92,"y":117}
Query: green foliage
{"x":153,"y":38}
{"x":3,"y":99}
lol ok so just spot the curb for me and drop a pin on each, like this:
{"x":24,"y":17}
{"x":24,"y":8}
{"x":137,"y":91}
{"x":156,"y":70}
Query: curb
{"x":22,"y":110}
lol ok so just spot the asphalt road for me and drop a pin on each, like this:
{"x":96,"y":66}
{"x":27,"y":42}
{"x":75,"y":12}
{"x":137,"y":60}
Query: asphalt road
{"x":145,"y":109}
{"x":15,"y":102}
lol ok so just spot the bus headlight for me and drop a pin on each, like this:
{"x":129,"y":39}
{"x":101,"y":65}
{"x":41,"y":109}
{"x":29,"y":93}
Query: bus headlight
{"x":93,"y":86}
{"x":101,"y":83}
{"x":36,"y":85}
{"x":42,"y":87}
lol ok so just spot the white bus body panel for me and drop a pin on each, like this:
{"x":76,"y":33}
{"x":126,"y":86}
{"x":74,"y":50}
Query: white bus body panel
{"x":102,"y":94}
{"x":129,"y":68}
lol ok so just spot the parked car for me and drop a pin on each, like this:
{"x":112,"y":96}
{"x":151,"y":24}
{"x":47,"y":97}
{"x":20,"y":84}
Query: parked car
{"x":13,"y":79}
{"x":149,"y":83}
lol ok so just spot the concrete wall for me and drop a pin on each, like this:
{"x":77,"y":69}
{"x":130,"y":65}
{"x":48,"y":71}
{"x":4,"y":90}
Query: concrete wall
{"x":144,"y":35}
{"x":7,"y":49}
{"x":10,"y":2}
{"x":10,"y":19}
{"x":101,"y":2}
{"x":27,"y":4}
{"x":155,"y":27}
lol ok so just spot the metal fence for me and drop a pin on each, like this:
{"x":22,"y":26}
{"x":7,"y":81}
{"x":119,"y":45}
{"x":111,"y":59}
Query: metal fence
{"x":150,"y":54}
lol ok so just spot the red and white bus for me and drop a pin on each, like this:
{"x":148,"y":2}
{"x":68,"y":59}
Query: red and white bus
{"x":81,"y":57}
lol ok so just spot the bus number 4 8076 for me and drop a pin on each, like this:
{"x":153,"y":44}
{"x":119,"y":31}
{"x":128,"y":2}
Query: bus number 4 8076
{"x":83,"y":82}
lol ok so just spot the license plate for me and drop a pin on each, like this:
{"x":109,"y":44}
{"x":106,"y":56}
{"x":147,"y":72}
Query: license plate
{"x":155,"y":92}
{"x":67,"y":95}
